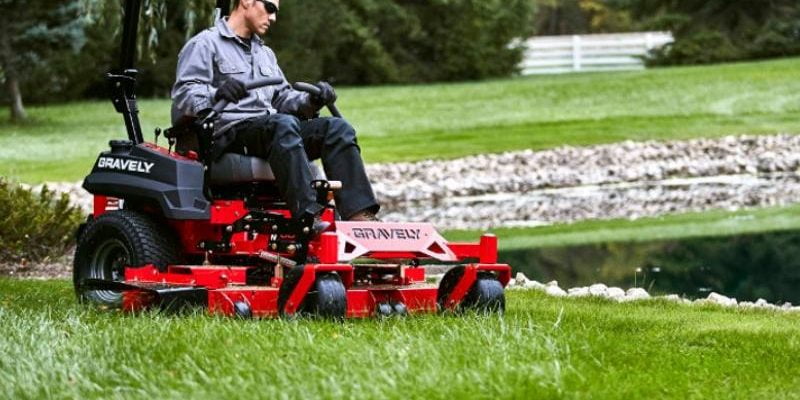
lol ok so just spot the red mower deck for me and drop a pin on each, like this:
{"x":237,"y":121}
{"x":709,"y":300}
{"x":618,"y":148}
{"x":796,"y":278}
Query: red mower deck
{"x":224,"y":288}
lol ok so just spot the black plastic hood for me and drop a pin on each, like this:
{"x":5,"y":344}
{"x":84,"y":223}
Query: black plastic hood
{"x":144,"y":171}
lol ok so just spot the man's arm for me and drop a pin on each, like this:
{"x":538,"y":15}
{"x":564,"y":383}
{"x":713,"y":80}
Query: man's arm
{"x":287,"y":100}
{"x":193,"y":92}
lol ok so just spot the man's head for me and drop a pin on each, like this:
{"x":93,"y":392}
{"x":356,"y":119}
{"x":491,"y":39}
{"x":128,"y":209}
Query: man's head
{"x":255,"y":16}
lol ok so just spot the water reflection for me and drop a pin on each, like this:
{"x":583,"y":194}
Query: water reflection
{"x":746,"y":267}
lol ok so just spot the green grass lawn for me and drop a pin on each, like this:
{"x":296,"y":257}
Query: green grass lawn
{"x":542,"y":348}
{"x":451,"y":120}
{"x":675,"y":226}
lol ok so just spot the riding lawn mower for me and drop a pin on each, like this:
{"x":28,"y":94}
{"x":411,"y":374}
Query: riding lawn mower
{"x":172,"y":227}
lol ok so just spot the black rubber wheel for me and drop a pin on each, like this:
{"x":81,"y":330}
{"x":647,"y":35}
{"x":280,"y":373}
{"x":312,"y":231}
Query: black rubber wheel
{"x":486,"y":295}
{"x":242,"y":310}
{"x":327,"y":299}
{"x":114,"y":240}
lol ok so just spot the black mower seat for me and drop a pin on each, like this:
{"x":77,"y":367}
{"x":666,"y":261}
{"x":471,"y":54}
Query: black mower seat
{"x":233,"y":168}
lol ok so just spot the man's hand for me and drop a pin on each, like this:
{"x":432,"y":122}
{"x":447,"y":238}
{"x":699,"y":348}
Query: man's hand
{"x":326,"y":94}
{"x":231,"y":90}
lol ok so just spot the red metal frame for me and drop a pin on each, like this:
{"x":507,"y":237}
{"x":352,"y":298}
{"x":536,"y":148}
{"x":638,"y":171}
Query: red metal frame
{"x":227,"y":284}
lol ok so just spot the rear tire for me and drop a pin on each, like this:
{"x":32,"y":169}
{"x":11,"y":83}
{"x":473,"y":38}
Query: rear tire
{"x":111,"y":242}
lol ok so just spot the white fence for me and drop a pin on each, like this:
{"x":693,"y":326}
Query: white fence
{"x":600,"y":52}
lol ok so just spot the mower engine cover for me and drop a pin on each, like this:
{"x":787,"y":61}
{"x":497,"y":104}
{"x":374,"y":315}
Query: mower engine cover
{"x":147,"y":172}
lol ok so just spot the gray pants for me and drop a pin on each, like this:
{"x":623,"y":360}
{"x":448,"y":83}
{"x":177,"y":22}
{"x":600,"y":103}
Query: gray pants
{"x":288,"y":144}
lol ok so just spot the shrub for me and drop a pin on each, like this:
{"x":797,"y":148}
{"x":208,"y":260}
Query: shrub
{"x":709,"y":31}
{"x":35,"y":225}
{"x":700,"y":48}
{"x":779,"y":38}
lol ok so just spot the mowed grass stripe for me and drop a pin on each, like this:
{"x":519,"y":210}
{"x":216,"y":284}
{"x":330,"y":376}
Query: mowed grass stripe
{"x":448,"y":144}
{"x":542,"y":348}
{"x":407,"y":123}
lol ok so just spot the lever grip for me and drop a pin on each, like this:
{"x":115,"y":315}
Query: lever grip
{"x":220,"y":105}
{"x":306,"y":87}
{"x":314,"y":90}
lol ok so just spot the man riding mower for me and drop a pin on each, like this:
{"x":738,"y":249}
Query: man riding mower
{"x":237,"y":220}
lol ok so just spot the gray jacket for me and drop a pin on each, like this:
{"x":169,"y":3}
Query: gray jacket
{"x":217,"y":54}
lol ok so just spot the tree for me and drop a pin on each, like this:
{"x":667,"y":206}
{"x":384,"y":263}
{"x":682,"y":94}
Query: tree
{"x":163,"y":29}
{"x":570,"y":17}
{"x":390,"y":41}
{"x":371,"y":41}
{"x":31,"y":32}
{"x":720,"y":30}
{"x":66,"y":75}
{"x":346,"y":41}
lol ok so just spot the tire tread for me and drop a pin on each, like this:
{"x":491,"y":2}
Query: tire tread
{"x":148,"y":242}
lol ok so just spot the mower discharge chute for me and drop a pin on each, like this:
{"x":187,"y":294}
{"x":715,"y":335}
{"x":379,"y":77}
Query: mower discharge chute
{"x":174,"y":228}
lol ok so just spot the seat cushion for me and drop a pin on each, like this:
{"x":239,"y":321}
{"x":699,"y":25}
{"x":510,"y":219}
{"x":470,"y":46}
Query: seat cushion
{"x":232,"y":168}
{"x":236,"y":168}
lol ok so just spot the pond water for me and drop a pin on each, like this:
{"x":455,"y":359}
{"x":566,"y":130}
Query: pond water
{"x":746,"y":267}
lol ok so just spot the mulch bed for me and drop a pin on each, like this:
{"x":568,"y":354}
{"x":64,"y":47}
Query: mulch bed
{"x":60,"y":268}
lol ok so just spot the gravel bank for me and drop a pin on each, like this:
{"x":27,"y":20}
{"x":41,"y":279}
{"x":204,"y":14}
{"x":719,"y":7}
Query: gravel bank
{"x":628,"y":200}
{"x":623,"y":180}
{"x":526,"y":171}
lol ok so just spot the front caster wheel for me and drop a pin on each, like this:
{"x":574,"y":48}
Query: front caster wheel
{"x":485,"y":295}
{"x":327,"y":298}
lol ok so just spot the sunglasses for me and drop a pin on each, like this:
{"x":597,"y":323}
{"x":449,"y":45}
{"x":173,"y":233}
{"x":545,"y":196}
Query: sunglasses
{"x":269,"y":6}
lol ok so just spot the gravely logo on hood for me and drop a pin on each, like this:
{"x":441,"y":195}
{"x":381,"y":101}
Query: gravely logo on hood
{"x":124,"y":164}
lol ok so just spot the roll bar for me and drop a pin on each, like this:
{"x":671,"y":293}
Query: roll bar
{"x":122,"y":80}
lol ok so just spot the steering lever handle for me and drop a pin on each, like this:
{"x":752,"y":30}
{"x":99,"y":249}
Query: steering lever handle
{"x":314,"y":90}
{"x":258,"y":83}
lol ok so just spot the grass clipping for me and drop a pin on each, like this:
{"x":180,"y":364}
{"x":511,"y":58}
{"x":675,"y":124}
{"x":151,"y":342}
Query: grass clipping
{"x":35,"y":225}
